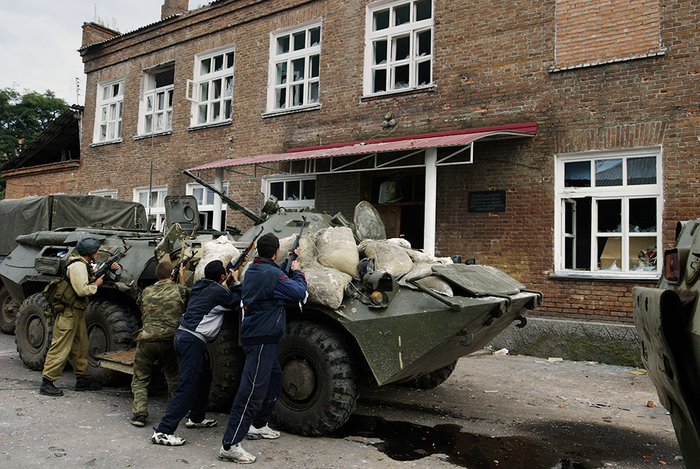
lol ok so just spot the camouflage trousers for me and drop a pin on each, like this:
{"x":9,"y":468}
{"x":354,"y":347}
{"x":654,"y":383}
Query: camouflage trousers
{"x":69,"y":343}
{"x":147,"y":353}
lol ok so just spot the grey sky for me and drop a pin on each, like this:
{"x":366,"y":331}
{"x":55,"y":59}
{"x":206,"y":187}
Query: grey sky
{"x":39,"y":39}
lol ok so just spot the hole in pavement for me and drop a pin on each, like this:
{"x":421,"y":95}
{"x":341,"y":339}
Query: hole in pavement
{"x":404,"y":441}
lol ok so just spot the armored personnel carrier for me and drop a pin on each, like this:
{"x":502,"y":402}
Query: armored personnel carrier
{"x":668,"y":323}
{"x":381,"y":332}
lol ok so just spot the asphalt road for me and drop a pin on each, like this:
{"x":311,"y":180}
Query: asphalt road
{"x":495,"y":411}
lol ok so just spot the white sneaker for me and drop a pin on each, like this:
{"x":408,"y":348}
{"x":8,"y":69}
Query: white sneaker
{"x":262,"y":432}
{"x":206,"y":423}
{"x":236,"y":454}
{"x":159,"y":438}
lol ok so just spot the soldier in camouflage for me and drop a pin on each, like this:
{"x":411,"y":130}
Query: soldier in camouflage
{"x":161,"y":305}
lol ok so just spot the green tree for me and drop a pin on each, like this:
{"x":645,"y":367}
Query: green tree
{"x":22,"y":118}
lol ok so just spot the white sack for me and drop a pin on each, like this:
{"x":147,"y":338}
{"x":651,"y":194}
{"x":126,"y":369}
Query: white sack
{"x":337,"y":249}
{"x":388,"y":257}
{"x":326,"y":286}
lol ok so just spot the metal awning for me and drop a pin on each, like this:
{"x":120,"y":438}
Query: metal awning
{"x":390,"y":153}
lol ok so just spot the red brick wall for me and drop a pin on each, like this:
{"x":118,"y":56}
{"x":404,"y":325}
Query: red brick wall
{"x":492,"y":66}
{"x":44,"y":180}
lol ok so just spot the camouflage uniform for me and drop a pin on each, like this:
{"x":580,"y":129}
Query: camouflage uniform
{"x":161,"y":305}
{"x":70,"y":340}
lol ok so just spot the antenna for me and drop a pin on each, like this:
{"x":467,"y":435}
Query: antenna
{"x":77,"y":90}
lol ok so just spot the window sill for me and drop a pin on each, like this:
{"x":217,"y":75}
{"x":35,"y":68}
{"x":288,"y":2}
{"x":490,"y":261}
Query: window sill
{"x":100,"y":144}
{"x":211,"y":125}
{"x":661,"y":52}
{"x":154,"y":134}
{"x":603,"y":275}
{"x":283,"y":112}
{"x":401,"y":92}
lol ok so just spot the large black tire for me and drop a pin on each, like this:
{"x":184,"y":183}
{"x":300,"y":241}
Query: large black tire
{"x":320,"y":389}
{"x":226,"y":359}
{"x":431,"y":379}
{"x":109,"y":327}
{"x":8,"y":312}
{"x":34,"y":331}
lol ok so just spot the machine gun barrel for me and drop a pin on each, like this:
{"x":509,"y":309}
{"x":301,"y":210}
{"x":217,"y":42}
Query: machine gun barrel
{"x":228,"y":200}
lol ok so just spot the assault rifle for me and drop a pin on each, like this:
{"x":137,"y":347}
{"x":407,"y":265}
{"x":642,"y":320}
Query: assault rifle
{"x":292,"y":254}
{"x":182,"y":265}
{"x":107,"y":266}
{"x":241,"y":258}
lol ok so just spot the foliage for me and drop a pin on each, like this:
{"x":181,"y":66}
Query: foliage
{"x":23,"y":117}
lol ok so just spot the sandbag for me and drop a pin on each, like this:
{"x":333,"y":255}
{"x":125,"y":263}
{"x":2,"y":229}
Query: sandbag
{"x":367,"y":222}
{"x":307,"y":248}
{"x":388,"y":257}
{"x":337,"y":249}
{"x":433,"y":282}
{"x":221,"y":249}
{"x":326,"y":286}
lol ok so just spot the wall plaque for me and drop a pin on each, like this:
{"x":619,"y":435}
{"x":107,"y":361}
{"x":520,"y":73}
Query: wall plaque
{"x":487,"y":201}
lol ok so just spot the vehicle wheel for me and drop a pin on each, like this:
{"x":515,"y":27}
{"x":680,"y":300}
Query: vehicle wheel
{"x":9,"y":311}
{"x":431,"y":379}
{"x":226,"y":359}
{"x":34,"y":331}
{"x":319,"y":390}
{"x":109,"y":327}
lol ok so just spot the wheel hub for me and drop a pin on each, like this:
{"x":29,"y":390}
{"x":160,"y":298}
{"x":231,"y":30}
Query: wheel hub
{"x":299,"y":379}
{"x":36,"y":332}
{"x":98,"y":340}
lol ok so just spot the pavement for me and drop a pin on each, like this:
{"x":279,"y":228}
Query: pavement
{"x":495,"y":411}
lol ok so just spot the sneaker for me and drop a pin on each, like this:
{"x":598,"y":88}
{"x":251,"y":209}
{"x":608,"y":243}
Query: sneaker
{"x":206,"y":423}
{"x":86,"y":384}
{"x":262,"y":432}
{"x":236,"y":454}
{"x":159,"y":438}
{"x":138,"y":421}
{"x":48,"y":389}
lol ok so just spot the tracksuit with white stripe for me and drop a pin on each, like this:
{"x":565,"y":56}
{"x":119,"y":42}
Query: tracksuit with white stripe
{"x":265,"y":289}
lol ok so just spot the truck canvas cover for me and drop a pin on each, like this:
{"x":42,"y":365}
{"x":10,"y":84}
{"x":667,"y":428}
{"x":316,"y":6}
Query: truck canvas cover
{"x":30,"y":214}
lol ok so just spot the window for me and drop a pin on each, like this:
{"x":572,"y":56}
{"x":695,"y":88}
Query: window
{"x":293,"y":193}
{"x":399,"y":51}
{"x":157,"y":105}
{"x":155,"y":204}
{"x":205,"y":206}
{"x":609,"y":212}
{"x":108,"y":193}
{"x":110,"y":101}
{"x":211,"y":91}
{"x":295,"y":67}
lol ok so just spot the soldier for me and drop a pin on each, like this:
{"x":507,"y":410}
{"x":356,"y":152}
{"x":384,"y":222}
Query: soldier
{"x":70,"y":339}
{"x":161,"y":306}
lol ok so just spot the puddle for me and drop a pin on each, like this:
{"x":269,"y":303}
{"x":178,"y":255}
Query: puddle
{"x":403,"y":441}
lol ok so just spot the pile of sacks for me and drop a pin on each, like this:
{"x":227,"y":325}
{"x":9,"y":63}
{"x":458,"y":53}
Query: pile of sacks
{"x":329,"y":257}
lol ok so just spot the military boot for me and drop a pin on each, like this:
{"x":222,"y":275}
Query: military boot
{"x":48,"y":389}
{"x":86,"y":384}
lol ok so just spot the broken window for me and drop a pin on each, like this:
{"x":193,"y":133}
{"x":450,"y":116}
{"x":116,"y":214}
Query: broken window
{"x":293,"y":193}
{"x":609,"y":207}
{"x":211,"y":91}
{"x":157,"y":104}
{"x":110,"y":103}
{"x":399,"y":52}
{"x":153,"y":199}
{"x":295,"y":67}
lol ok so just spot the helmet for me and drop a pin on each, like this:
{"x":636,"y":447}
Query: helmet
{"x":88,"y":245}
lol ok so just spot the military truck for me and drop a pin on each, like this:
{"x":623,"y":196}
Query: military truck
{"x":381,"y":333}
{"x":668,"y":324}
{"x":56,"y":212}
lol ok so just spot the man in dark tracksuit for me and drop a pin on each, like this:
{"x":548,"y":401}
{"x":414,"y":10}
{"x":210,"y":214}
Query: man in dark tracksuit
{"x":265,"y":289}
{"x":201,"y":323}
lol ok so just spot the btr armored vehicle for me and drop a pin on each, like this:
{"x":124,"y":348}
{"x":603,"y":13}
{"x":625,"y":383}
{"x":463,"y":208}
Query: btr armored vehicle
{"x":380,"y":333}
{"x":668,"y":323}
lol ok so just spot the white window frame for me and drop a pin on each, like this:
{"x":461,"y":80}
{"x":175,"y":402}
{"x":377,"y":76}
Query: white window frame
{"x":205,"y":208}
{"x":157,"y":206}
{"x":310,"y":54}
{"x":108,"y":193}
{"x":156,"y":106}
{"x":624,"y":193}
{"x":292,"y":205}
{"x":410,"y":30}
{"x":109,"y":111}
{"x":208,"y":107}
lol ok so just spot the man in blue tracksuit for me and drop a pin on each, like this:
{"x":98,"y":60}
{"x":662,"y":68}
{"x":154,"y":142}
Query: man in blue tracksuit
{"x":265,"y":289}
{"x":209,"y":301}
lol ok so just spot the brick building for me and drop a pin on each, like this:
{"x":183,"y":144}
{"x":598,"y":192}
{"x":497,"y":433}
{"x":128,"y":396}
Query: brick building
{"x":554,"y":139}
